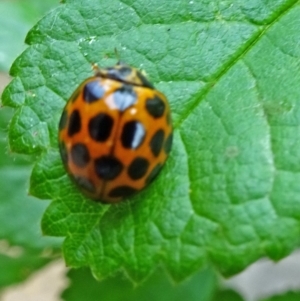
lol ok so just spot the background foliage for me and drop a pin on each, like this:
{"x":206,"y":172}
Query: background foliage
{"x":22,"y":248}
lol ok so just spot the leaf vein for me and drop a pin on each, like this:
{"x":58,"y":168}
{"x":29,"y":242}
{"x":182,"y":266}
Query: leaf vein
{"x":235,"y":59}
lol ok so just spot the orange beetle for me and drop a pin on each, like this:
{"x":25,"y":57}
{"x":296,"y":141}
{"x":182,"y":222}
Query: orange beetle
{"x":115,"y":133}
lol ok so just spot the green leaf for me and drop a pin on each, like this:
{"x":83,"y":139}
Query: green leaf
{"x":16,"y":269}
{"x":20,"y":214}
{"x":200,"y":287}
{"x":16,"y":19}
{"x":227,"y":295}
{"x":290,"y":296}
{"x":229,"y":193}
{"x":21,"y":239}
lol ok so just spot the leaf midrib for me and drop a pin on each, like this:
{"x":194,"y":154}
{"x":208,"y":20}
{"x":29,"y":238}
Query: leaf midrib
{"x":231,"y":63}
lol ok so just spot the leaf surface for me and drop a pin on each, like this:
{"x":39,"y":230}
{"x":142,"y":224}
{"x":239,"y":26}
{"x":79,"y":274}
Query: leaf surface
{"x":229,"y":193}
{"x":201,"y":287}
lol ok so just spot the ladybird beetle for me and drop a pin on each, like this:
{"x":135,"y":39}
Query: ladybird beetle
{"x":115,"y":133}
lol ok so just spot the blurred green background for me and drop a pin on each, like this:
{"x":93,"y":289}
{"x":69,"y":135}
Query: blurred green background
{"x":22,"y":247}
{"x":17,"y":17}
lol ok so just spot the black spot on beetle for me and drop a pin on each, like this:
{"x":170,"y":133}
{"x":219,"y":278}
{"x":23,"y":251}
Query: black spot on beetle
{"x":74,"y":123}
{"x":100,"y":127}
{"x":108,"y":167}
{"x":156,"y":142}
{"x":80,"y":155}
{"x":122,"y":192}
{"x":93,"y":91}
{"x":138,"y":168}
{"x":133,"y":134}
{"x":155,"y":107}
